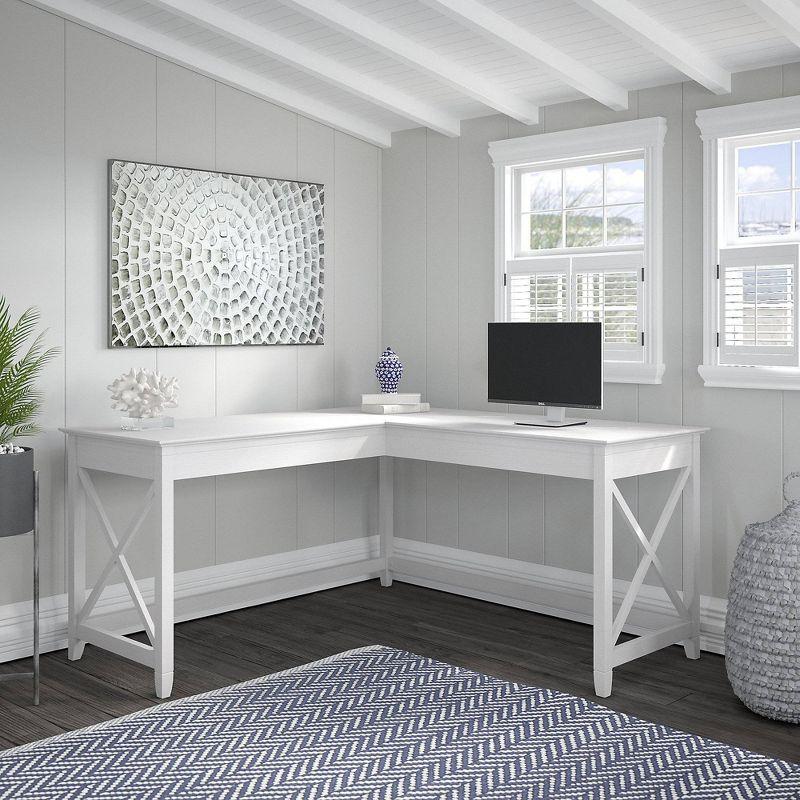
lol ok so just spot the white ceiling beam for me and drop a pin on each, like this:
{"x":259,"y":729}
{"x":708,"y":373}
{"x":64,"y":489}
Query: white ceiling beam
{"x":783,"y":15}
{"x":532,"y":48}
{"x":666,"y":44}
{"x":380,"y":37}
{"x":96,"y":18}
{"x":262,"y":40}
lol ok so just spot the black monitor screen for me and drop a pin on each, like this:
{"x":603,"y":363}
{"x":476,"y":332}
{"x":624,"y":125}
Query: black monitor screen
{"x":546,"y":363}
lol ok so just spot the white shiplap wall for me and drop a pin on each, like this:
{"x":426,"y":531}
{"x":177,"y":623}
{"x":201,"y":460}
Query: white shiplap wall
{"x":438,"y":297}
{"x":71,"y":99}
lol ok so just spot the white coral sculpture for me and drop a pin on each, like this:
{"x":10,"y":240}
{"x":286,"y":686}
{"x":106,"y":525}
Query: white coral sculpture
{"x":144,"y":393}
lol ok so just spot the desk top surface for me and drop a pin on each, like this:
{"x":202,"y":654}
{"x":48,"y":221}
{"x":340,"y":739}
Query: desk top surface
{"x":279,"y":424}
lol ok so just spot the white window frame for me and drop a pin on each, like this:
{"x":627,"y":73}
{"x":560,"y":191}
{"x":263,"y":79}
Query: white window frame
{"x":722,"y":129}
{"x":636,"y":138}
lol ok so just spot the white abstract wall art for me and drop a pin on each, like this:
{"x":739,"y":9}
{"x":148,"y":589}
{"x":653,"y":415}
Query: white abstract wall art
{"x":143,"y":393}
{"x":212,"y":258}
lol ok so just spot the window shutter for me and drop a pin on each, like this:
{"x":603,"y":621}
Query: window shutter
{"x":538,"y":297}
{"x":613,"y":299}
{"x":758,"y":305}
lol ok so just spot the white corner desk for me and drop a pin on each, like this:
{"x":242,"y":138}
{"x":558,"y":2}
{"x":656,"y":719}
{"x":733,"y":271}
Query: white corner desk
{"x":600,"y":451}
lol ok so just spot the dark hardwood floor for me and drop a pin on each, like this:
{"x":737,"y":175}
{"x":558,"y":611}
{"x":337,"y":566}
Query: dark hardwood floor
{"x":507,"y":642}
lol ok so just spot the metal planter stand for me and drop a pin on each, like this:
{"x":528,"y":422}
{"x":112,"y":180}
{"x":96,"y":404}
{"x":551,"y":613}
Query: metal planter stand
{"x":35,"y":673}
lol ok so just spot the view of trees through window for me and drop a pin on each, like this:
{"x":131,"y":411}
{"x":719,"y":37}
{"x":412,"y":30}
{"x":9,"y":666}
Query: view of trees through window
{"x":589,"y":205}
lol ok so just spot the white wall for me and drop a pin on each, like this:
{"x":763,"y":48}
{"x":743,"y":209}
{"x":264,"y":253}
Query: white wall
{"x":71,"y":99}
{"x":438,"y":296}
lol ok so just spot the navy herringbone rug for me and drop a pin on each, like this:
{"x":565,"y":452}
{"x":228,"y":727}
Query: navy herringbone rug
{"x":379,"y":723}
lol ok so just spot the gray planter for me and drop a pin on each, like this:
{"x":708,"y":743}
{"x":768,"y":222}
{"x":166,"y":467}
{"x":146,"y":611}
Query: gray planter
{"x":16,"y":493}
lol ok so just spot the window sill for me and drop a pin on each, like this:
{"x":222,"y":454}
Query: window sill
{"x":732,"y":377}
{"x":630,"y":372}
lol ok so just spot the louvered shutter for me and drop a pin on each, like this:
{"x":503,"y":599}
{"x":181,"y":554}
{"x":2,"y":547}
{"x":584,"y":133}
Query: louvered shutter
{"x":537,"y":289}
{"x":758,"y":305}
{"x":613,"y":299}
{"x":607,"y":288}
{"x":539,"y":297}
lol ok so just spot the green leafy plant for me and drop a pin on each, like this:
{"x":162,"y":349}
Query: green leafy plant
{"x":20,"y":401}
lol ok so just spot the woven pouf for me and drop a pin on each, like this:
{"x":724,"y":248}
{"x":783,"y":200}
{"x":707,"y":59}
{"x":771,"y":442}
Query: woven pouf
{"x":762,"y":629}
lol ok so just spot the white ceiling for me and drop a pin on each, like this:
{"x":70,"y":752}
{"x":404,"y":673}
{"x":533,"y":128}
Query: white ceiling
{"x":371,"y":67}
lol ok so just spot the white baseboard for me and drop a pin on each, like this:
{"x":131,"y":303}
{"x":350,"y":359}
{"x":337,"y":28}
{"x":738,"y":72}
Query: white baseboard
{"x":201,"y":592}
{"x":225,"y":587}
{"x":546,"y":590}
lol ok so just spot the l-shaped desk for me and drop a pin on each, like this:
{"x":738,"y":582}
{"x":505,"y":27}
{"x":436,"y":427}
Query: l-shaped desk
{"x":600,"y":451}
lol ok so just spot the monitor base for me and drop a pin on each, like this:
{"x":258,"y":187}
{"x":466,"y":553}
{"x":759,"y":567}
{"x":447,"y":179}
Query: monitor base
{"x":554,"y":417}
{"x":545,"y":424}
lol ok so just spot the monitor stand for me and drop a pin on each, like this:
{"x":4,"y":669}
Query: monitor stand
{"x":554,"y":417}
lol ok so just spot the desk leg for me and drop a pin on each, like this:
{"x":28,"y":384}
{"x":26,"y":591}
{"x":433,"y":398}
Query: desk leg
{"x":386,"y":515}
{"x":76,"y":550}
{"x":603,"y":576}
{"x":691,"y":552}
{"x":164,"y":611}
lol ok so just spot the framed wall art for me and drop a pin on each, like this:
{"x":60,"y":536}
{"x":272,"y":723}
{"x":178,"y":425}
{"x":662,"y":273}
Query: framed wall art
{"x":212,"y":258}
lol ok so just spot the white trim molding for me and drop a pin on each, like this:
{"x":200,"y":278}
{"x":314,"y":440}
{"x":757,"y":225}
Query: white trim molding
{"x":716,"y":125}
{"x":744,"y":119}
{"x":642,"y":137}
{"x":546,"y":590}
{"x":632,"y":372}
{"x":729,"y":376}
{"x":616,"y":137}
{"x":201,"y":592}
{"x":225,"y":587}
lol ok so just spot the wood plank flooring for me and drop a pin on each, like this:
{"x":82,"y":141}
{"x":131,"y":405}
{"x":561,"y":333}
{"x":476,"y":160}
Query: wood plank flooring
{"x":507,"y":642}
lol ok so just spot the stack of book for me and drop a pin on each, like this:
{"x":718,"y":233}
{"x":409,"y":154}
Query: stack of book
{"x":394,"y":403}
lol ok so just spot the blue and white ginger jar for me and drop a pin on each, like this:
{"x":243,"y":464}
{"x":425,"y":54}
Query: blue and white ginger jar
{"x":388,"y":371}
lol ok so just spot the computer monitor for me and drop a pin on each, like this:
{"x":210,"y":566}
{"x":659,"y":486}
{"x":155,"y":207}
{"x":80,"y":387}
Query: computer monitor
{"x":557,"y":365}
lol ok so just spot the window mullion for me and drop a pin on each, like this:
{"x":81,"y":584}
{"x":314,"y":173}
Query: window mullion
{"x":572,"y":291}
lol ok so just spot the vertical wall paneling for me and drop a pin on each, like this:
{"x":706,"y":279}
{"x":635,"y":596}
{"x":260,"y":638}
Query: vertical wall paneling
{"x":442,"y":249}
{"x":483,"y":494}
{"x":356,"y":301}
{"x":316,"y":378}
{"x":98,"y":127}
{"x":32,"y":232}
{"x":404,"y":295}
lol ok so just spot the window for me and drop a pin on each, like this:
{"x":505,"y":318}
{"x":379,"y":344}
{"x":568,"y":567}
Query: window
{"x":578,"y":237}
{"x":587,"y":205}
{"x":752,"y":241}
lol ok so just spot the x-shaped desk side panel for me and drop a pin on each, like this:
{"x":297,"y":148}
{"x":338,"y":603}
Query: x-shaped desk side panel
{"x":612,"y":463}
